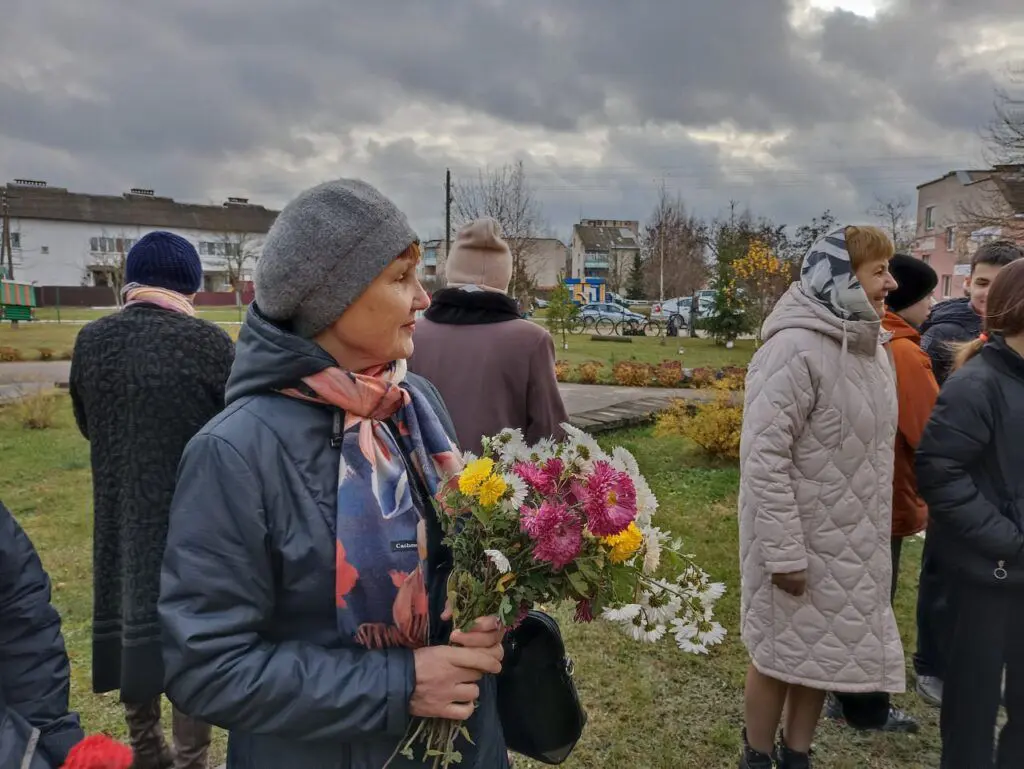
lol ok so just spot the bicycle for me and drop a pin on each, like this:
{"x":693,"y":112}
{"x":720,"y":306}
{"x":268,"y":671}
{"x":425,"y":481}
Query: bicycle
{"x":633,"y":327}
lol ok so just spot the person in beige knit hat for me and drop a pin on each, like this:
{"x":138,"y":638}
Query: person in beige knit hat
{"x":493,"y":368}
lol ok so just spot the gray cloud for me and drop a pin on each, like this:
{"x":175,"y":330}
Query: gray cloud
{"x":200,"y":100}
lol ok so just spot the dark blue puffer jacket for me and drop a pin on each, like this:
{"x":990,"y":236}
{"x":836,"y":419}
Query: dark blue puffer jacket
{"x":36,"y":729}
{"x":949,"y":323}
{"x":251,"y":639}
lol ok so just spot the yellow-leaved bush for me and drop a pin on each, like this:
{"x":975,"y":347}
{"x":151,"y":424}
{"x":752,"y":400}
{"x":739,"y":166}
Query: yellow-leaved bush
{"x":714,"y":425}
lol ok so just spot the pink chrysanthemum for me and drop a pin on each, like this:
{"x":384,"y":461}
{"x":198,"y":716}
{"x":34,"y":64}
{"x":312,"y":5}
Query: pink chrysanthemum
{"x":609,"y":500}
{"x":544,"y":478}
{"x":557,"y":534}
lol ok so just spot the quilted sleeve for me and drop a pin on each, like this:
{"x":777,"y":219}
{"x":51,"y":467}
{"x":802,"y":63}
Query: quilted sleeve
{"x":779,"y":400}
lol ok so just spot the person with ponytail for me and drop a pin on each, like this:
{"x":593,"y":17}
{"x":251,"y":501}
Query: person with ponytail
{"x":969,"y":465}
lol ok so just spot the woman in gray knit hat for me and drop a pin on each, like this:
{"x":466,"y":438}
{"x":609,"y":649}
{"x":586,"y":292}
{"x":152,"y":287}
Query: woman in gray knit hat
{"x":303,"y":585}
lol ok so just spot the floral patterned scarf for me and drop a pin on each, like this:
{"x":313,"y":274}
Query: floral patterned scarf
{"x":380,"y":592}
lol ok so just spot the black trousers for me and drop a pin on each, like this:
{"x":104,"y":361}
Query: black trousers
{"x":936,"y":617}
{"x":871,"y":711}
{"x":986,"y":640}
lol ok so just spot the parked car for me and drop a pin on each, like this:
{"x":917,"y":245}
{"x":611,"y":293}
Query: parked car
{"x":678,"y":307}
{"x":613,"y":312}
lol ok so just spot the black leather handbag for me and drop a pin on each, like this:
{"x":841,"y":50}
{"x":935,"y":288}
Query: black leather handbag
{"x":540,"y":710}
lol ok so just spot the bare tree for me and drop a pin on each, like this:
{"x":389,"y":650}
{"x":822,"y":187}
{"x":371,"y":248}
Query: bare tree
{"x":109,"y":259}
{"x":1004,"y":135}
{"x":505,"y":195}
{"x":240,"y":251}
{"x":1004,"y":150}
{"x":894,"y":214}
{"x":673,"y":249}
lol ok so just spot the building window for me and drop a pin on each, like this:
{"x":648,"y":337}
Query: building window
{"x":44,"y":250}
{"x":947,"y":285}
{"x":15,"y":240}
{"x":219,"y":248}
{"x":926,"y":258}
{"x":950,"y":239}
{"x":929,"y":218}
{"x":105,"y":245}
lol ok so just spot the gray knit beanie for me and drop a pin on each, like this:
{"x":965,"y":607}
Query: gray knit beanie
{"x":324,"y":249}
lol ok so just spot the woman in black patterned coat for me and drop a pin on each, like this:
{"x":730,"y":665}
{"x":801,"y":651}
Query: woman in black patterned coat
{"x":143,"y":382}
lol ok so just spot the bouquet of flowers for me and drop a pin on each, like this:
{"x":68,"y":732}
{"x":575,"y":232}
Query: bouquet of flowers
{"x":557,"y":522}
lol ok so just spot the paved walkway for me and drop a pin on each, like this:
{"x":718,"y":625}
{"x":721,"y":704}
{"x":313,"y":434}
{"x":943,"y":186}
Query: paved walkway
{"x":591,"y":407}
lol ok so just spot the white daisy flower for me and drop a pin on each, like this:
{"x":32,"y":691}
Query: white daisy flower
{"x":499,"y":560}
{"x":579,"y":439}
{"x":625,"y":613}
{"x":711,"y":635}
{"x":625,"y":462}
{"x":660,"y":605}
{"x":646,"y":633}
{"x":518,"y":487}
{"x":653,"y":537}
{"x":710,"y":595}
{"x":511,"y":446}
{"x":685,"y":635}
{"x":690,"y":647}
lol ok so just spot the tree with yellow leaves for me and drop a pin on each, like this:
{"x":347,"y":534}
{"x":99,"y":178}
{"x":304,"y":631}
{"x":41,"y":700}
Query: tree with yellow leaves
{"x":764,"y":278}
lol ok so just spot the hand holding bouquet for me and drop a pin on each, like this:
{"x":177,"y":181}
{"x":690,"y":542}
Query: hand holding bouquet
{"x":563,"y":521}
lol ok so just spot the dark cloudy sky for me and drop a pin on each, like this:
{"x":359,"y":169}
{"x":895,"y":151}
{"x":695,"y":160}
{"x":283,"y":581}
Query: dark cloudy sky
{"x":789,"y":106}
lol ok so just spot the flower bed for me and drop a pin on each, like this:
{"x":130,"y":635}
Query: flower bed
{"x":668,"y":373}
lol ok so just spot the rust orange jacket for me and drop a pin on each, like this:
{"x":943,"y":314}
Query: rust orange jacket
{"x":917,"y":390}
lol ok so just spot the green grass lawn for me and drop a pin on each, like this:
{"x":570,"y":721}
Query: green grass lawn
{"x":692,"y":353}
{"x":650,"y":707}
{"x":30,"y":338}
{"x":59,"y":338}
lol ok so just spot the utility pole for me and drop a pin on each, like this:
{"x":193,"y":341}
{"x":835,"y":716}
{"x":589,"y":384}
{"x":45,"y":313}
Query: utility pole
{"x":5,"y":244}
{"x":661,"y":249}
{"x":447,"y":212}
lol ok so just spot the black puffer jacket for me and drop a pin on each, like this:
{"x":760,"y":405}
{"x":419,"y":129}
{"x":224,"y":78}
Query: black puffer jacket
{"x":36,"y":728}
{"x":950,"y":322}
{"x":969,"y":464}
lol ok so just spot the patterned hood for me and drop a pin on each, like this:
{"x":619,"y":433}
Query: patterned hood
{"x":827,"y":276}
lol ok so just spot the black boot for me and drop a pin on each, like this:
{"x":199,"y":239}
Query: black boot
{"x":753,"y":759}
{"x":790,"y":759}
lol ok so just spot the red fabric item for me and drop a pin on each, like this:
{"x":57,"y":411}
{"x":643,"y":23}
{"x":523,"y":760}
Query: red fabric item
{"x":99,"y":752}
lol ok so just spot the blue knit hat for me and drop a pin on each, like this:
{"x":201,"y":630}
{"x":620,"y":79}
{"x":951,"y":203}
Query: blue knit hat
{"x":165,"y":260}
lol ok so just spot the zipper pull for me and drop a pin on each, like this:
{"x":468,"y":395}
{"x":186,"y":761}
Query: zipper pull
{"x":336,"y":431}
{"x":1000,"y":571}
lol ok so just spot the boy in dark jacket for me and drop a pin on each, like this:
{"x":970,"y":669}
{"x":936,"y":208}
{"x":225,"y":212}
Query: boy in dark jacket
{"x":951,"y":322}
{"x":36,"y":728}
{"x":959,"y":320}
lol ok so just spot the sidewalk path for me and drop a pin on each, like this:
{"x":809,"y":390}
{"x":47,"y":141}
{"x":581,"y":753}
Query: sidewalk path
{"x":593,"y":408}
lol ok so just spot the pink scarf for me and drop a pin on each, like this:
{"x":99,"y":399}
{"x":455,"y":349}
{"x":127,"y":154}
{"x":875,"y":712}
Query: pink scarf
{"x":137,"y":293}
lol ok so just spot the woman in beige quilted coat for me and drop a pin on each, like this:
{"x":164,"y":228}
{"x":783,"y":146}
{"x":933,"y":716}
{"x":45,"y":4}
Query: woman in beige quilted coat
{"x":815,"y":509}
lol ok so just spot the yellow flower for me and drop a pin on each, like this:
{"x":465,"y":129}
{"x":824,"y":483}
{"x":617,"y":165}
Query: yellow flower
{"x":624,"y":544}
{"x":474,"y":474}
{"x":491,"y":490}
